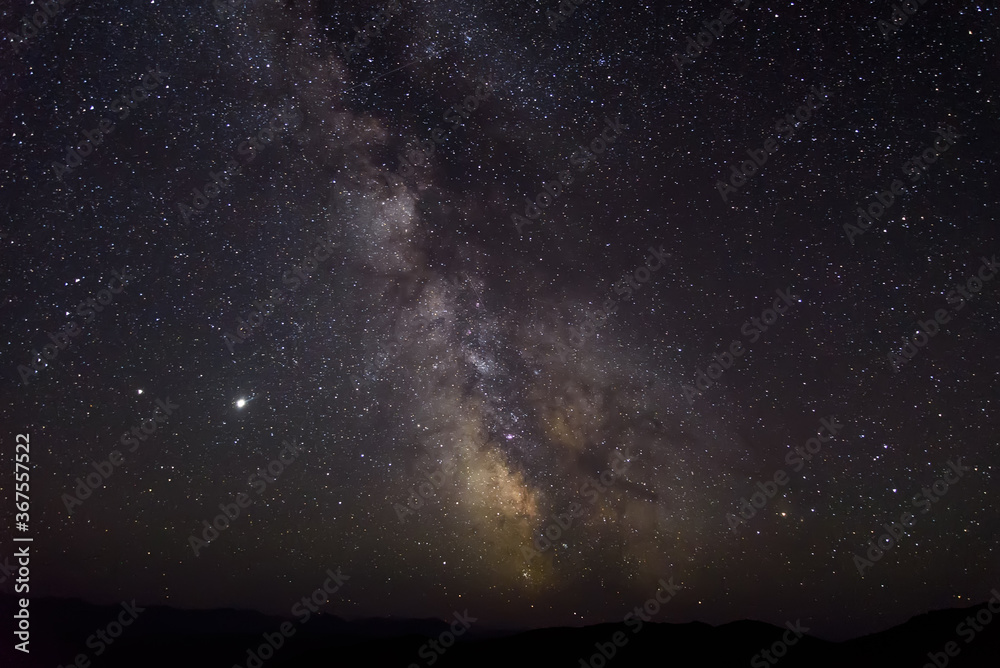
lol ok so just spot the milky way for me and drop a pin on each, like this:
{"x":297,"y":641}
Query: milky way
{"x":502,"y":315}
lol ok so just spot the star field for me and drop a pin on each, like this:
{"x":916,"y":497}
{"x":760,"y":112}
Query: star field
{"x":412,"y":328}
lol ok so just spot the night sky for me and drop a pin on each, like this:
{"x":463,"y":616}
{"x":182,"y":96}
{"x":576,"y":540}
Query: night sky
{"x":301,"y":251}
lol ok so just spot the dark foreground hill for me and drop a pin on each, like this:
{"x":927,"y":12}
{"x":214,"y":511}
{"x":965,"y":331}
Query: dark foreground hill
{"x":163,"y":637}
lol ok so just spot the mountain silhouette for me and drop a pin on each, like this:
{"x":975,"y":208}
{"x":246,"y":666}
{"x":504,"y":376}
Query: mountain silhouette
{"x":164,"y":637}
